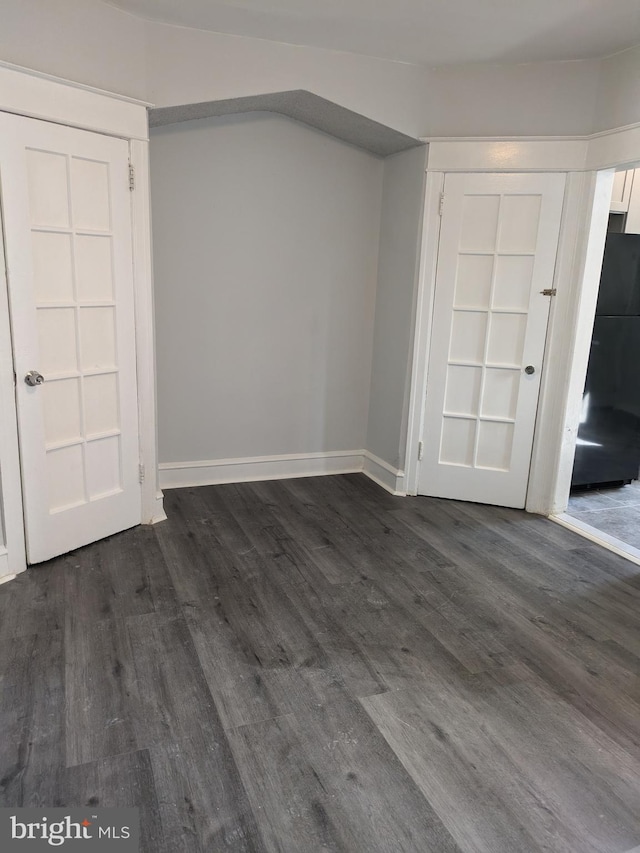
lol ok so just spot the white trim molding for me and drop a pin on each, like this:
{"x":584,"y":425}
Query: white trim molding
{"x":616,"y":148}
{"x":577,"y":277}
{"x":158,"y":513}
{"x":254,"y":468}
{"x":152,"y":509}
{"x":6,"y":569}
{"x":13,"y":554}
{"x":508,"y":154}
{"x":251,"y":469}
{"x":385,"y":475}
{"x":43,"y":96}
{"x":422,"y":329}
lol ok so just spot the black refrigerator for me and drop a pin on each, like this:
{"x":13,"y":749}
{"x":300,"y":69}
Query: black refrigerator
{"x":608,"y":446}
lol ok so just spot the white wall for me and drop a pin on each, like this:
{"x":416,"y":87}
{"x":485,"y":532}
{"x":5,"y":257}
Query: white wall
{"x":82,"y":40}
{"x":556,"y":98}
{"x":265,"y":257}
{"x":94,"y":43}
{"x":399,"y":253}
{"x":534,"y":99}
{"x":618,"y":102}
{"x":188,"y":66}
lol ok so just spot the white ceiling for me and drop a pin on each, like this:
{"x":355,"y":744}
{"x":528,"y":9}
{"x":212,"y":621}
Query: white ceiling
{"x":430,"y":32}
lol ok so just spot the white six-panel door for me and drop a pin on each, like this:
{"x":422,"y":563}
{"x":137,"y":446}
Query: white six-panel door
{"x":67,"y":222}
{"x":497,"y":251}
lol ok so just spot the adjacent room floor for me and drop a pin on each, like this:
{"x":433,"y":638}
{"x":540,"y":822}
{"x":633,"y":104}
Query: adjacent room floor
{"x":614,"y":510}
{"x":314,"y":665}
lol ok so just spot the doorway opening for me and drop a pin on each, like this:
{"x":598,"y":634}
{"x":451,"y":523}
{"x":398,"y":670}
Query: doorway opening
{"x":604,"y":501}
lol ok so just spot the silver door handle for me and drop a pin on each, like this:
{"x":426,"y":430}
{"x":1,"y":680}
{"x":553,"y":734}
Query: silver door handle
{"x":34,"y":378}
{"x":529,"y":369}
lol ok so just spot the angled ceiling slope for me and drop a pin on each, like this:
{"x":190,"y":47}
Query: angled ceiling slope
{"x":302,"y":106}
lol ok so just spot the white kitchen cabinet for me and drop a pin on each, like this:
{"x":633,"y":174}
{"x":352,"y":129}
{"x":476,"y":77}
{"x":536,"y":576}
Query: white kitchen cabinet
{"x":622,"y":188}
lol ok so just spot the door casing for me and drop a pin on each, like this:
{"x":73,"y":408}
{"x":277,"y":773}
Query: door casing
{"x":12,"y":552}
{"x":535,"y":258}
{"x":42,"y":96}
{"x":82,"y":338}
{"x":585,"y":161}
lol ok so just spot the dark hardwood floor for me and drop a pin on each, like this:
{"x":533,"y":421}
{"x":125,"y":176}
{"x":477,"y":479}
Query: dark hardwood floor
{"x":314,"y":665}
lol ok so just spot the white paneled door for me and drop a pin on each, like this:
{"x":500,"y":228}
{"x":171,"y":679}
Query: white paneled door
{"x":497,"y":251}
{"x":67,"y":222}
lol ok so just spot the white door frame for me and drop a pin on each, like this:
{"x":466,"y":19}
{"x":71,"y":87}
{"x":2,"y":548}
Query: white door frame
{"x":12,"y":533}
{"x":508,"y":486}
{"x":42,"y":96}
{"x":589,"y":163}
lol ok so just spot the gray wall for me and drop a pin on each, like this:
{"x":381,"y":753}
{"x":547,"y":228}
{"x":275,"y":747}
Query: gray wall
{"x":400,"y":236}
{"x":265,"y":264}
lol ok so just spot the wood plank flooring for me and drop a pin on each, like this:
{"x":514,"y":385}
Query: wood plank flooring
{"x":314,"y":665}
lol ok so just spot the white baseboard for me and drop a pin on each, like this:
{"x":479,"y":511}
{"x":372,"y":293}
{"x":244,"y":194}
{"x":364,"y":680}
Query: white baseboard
{"x":251,"y":469}
{"x":212,"y":472}
{"x":383,"y":474}
{"x":158,"y":510}
{"x":6,"y":574}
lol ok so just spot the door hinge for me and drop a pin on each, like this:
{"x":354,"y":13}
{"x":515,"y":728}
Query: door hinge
{"x":132,"y":177}
{"x":420,"y":451}
{"x":141,"y":473}
{"x":549,"y":291}
{"x":441,"y":203}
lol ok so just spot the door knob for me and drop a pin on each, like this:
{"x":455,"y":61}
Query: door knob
{"x":34,"y":378}
{"x":529,"y":369}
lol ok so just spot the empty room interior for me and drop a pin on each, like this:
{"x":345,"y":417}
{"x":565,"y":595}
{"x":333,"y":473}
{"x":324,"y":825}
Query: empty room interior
{"x":320,"y":425}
